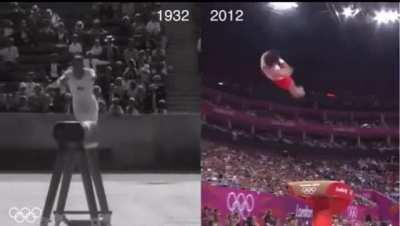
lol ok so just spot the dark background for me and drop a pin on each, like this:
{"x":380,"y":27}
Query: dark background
{"x":356,"y":56}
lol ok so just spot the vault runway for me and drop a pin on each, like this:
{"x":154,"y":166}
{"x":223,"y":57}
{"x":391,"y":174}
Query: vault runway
{"x":134,"y":199}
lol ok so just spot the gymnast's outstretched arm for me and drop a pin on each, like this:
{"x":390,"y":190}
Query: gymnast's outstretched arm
{"x":60,"y":82}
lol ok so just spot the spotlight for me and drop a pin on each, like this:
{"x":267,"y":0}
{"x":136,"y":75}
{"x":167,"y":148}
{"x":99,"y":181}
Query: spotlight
{"x":221,"y":83}
{"x":386,"y":16}
{"x":283,"y":5}
{"x":349,"y":12}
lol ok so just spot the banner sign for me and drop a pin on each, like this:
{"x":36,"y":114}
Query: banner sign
{"x":249,"y":203}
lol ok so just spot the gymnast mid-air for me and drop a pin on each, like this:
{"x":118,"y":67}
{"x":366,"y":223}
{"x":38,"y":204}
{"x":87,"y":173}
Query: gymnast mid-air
{"x":280,"y":73}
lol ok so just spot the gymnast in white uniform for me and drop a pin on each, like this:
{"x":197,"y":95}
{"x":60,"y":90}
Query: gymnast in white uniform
{"x":80,"y":82}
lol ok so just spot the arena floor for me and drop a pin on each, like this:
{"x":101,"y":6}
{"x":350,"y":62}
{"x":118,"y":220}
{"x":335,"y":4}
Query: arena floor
{"x":134,"y":199}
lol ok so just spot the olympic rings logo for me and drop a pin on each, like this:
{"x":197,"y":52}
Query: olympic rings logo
{"x":24,"y":214}
{"x":308,"y":190}
{"x":242,"y":203}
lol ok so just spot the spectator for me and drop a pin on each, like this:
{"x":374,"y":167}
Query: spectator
{"x":96,"y":50}
{"x":131,"y":72}
{"x":158,"y":93}
{"x":104,"y":80}
{"x":158,"y":56}
{"x":153,"y":27}
{"x":97,"y":31}
{"x":233,"y":219}
{"x":22,"y":89}
{"x":61,"y":34}
{"x":125,"y":27}
{"x":118,"y":69}
{"x":111,"y":50}
{"x":139,"y":33}
{"x":23,"y":35}
{"x":100,"y":99}
{"x":17,"y":13}
{"x":150,"y":101}
{"x":162,"y":107}
{"x":30,"y":84}
{"x":214,"y":218}
{"x":9,"y":53}
{"x":8,"y":29}
{"x":131,"y":109}
{"x":118,"y":89}
{"x":205,"y":212}
{"x":250,"y":221}
{"x":137,"y":17}
{"x":268,"y":219}
{"x":54,"y":70}
{"x":79,"y":28}
{"x":140,"y":96}
{"x":337,"y":221}
{"x":35,"y":17}
{"x":126,"y":81}
{"x":130,"y":53}
{"x":115,"y":108}
{"x":39,"y":101}
{"x":131,"y":91}
{"x":23,"y":104}
{"x":102,"y":107}
{"x":291,"y":220}
{"x":58,"y":101}
{"x":144,"y":71}
{"x":47,"y":31}
{"x":75,"y":47}
{"x":52,"y":17}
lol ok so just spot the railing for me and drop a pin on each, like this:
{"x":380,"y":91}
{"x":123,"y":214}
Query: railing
{"x":244,"y":103}
{"x":237,"y":118}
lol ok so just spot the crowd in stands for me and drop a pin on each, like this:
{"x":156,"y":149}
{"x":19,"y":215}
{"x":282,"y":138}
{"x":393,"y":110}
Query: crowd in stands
{"x":212,"y":217}
{"x":262,"y":171}
{"x":283,"y":115}
{"x":124,"y":43}
{"x":269,"y":168}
